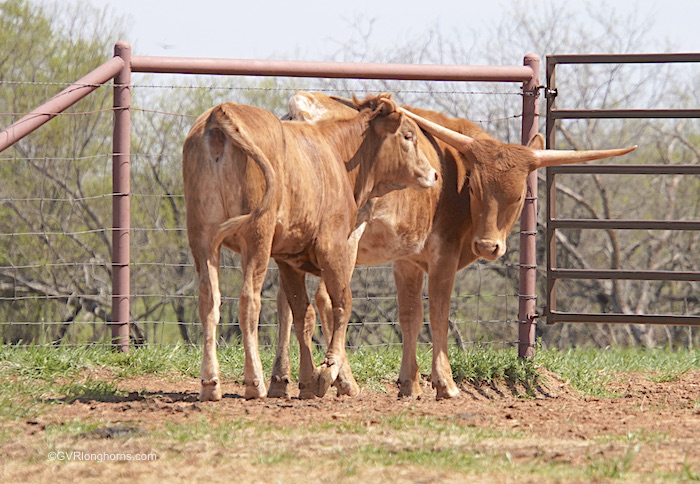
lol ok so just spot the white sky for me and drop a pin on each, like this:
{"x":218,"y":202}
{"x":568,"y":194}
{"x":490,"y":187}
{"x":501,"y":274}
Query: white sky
{"x":314,"y":29}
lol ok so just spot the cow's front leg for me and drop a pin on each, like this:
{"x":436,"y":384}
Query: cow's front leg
{"x":336,"y":357}
{"x":309,"y":375}
{"x":345,"y":382}
{"x":304,"y":318}
{"x":336,"y":369}
{"x":281,"y":373}
{"x":409,"y":289}
{"x":440,"y":283}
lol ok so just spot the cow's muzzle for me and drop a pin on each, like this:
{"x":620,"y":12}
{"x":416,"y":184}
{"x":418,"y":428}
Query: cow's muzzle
{"x":429,"y":179}
{"x":489,"y":249}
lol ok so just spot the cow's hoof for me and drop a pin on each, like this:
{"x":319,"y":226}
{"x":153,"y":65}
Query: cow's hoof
{"x":279,"y":387}
{"x":308,"y":390}
{"x":345,"y":383}
{"x":409,"y":389}
{"x":446,"y":390}
{"x":326,"y":378}
{"x":348,"y":388}
{"x":210,"y":390}
{"x":255,"y":389}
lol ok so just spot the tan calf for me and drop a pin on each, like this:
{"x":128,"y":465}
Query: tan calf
{"x":288,"y":190}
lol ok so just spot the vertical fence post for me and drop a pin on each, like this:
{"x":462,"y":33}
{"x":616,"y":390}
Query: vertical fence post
{"x":121,"y":203}
{"x":527,"y":292}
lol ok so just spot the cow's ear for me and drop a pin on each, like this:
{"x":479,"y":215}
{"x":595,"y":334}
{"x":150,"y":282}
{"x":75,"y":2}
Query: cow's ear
{"x":351,"y":103}
{"x":537,"y":142}
{"x":386,"y":119}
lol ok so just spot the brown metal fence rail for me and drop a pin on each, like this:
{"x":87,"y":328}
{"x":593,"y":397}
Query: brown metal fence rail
{"x":124,"y":63}
{"x":554,"y":273}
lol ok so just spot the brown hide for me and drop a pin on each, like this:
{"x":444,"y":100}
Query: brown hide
{"x":292,"y":191}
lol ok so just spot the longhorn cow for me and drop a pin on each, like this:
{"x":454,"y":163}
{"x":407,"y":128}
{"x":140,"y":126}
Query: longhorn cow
{"x":466,"y":216}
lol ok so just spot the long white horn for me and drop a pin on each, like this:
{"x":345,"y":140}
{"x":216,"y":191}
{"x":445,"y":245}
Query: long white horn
{"x":565,"y":157}
{"x":458,"y":140}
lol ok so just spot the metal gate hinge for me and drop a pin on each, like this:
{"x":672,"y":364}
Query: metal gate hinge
{"x":536,"y":91}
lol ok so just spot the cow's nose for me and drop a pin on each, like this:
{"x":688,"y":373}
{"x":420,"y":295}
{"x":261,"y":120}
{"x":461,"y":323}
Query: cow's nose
{"x":430,"y":179}
{"x":487,"y":248}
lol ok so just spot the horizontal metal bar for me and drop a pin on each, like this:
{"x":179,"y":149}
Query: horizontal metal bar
{"x":60,"y":102}
{"x":358,"y":70}
{"x":688,"y":276}
{"x":623,"y":113}
{"x":606,"y":224}
{"x":625,"y":169}
{"x":658,"y":58}
{"x":668,"y":319}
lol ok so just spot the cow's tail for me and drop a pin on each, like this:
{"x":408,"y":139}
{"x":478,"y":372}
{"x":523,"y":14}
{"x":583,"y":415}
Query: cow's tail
{"x":227,"y":123}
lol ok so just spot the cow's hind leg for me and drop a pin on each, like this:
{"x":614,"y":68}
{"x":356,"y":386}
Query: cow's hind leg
{"x":207,"y":265}
{"x":255,"y":265}
{"x":409,"y":288}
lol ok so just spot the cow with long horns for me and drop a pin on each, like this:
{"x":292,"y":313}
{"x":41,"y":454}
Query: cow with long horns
{"x":466,"y":216}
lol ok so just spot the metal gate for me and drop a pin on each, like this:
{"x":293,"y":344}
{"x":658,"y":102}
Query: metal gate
{"x":556,"y":222}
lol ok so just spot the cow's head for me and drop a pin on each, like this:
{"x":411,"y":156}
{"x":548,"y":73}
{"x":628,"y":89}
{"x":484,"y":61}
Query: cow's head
{"x":497,"y":179}
{"x":401,"y":158}
{"x":397,"y":154}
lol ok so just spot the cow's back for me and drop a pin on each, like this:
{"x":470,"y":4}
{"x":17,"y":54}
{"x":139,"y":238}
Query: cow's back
{"x":220,"y":180}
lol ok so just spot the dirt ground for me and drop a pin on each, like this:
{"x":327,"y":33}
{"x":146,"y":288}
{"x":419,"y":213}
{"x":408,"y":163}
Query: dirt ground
{"x":650,"y":429}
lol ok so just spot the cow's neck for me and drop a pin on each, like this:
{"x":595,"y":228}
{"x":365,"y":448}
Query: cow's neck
{"x":357,"y":150}
{"x":363,"y":177}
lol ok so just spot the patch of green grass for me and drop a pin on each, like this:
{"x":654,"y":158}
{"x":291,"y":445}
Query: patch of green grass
{"x":70,"y":427}
{"x":374,"y":367}
{"x":590,"y":369}
{"x":19,"y":400}
{"x":102,"y":391}
{"x":277,"y":458}
{"x":203,"y":429}
{"x":613,"y":467}
{"x":377,"y":366}
{"x":642,"y":436}
{"x":443,"y":458}
{"x":480,"y":365}
{"x":669,"y":376}
{"x":32,"y":371}
{"x":47,"y":363}
{"x":688,"y":473}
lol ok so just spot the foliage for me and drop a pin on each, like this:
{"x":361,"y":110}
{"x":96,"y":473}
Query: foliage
{"x":54,"y":183}
{"x":55,"y":242}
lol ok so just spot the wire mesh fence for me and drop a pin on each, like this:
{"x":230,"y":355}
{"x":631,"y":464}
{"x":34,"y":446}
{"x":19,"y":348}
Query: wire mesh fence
{"x":55,"y":240}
